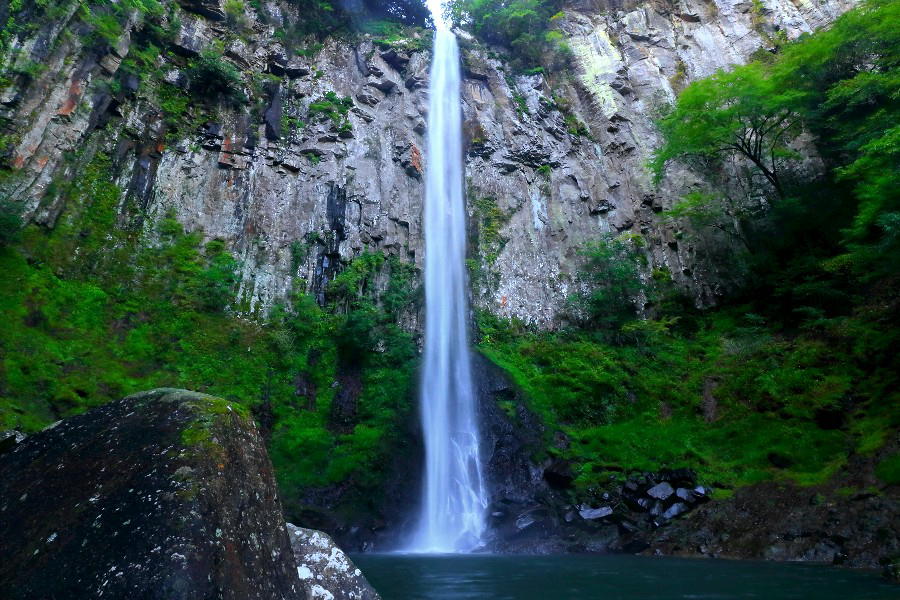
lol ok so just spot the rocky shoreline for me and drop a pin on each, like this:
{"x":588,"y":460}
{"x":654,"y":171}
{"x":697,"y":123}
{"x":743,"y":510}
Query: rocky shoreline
{"x":848,"y":521}
{"x":172,"y":491}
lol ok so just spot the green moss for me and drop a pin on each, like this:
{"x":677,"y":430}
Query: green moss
{"x":489,"y":220}
{"x":888,"y":470}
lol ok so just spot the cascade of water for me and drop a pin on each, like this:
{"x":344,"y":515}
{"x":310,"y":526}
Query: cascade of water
{"x":454,"y":499}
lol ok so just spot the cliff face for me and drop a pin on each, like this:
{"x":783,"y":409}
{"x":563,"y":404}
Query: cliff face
{"x":295,"y":201}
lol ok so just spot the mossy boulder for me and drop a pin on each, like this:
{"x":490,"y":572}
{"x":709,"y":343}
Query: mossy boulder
{"x":164,"y":494}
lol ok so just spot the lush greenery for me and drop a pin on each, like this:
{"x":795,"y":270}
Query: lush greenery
{"x":526,"y":27}
{"x":139,"y":309}
{"x":839,"y":85}
{"x":797,"y":371}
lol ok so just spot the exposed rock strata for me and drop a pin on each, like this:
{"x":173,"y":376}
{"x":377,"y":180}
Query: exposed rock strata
{"x":264,"y":186}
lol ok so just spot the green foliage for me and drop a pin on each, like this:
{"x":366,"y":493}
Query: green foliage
{"x":740,"y":112}
{"x":235,"y":14}
{"x":10,"y":221}
{"x":489,"y":220}
{"x":840,"y":85}
{"x":390,"y":34}
{"x":610,"y":278}
{"x":888,"y":470}
{"x":106,"y":19}
{"x":332,"y":107}
{"x":94,"y":310}
{"x":721,"y":397}
{"x":212,"y":77}
{"x":523,"y":26}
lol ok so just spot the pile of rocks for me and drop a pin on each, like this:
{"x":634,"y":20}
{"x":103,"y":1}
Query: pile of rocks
{"x":664,"y":495}
{"x":622,"y":521}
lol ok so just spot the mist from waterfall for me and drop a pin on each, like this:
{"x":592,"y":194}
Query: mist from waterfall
{"x":454,"y":499}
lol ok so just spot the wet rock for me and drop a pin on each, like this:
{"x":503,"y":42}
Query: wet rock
{"x":9,"y":439}
{"x":558,"y":475}
{"x":397,"y":60}
{"x":589,"y":514}
{"x":192,"y":37}
{"x":324,"y":570}
{"x":211,"y":9}
{"x":679,"y":508}
{"x":686,"y":495}
{"x":661,"y":491}
{"x":164,"y":494}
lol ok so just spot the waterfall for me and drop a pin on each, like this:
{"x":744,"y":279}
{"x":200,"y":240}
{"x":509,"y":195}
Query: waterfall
{"x":454,"y":500}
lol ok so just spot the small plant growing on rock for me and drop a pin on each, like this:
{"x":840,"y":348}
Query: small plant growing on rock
{"x":236,"y":14}
{"x":333,"y":107}
{"x":211,"y":76}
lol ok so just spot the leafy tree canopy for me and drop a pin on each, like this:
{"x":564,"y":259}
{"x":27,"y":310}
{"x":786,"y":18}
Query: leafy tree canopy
{"x":841,"y":85}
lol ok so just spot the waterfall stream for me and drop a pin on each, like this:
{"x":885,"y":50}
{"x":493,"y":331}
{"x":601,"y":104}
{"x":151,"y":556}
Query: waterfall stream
{"x":454,"y":499}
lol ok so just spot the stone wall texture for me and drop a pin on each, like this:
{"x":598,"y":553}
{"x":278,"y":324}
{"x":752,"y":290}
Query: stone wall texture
{"x":324,"y":194}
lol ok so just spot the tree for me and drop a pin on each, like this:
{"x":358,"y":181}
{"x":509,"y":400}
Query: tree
{"x":213,"y":77}
{"x":840,"y":85}
{"x":715,"y":211}
{"x":740,"y":112}
{"x":520,"y":25}
{"x":610,"y":277}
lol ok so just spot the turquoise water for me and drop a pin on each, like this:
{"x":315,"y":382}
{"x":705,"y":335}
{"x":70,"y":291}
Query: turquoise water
{"x":471,"y":577}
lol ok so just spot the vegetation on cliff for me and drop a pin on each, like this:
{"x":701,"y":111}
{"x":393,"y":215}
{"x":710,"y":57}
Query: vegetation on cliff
{"x":792,"y":376}
{"x":797,"y":371}
{"x":94,"y":311}
{"x":525,"y":27}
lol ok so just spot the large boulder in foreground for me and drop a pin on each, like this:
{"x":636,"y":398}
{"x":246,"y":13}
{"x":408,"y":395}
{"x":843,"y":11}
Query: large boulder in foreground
{"x":166,"y":494}
{"x":325,"y":571}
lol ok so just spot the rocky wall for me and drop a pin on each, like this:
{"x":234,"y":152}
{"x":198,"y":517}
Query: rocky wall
{"x":297,"y":195}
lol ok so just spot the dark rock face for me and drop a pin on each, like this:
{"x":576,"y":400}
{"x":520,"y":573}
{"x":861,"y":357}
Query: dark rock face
{"x":508,"y":438}
{"x":166,"y":494}
{"x":9,"y":439}
{"x":784,"y":522}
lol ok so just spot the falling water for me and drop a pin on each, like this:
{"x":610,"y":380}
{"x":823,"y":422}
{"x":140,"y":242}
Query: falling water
{"x":454,"y":501}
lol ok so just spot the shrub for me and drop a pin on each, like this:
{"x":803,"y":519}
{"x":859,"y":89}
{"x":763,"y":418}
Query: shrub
{"x":10,"y":221}
{"x":610,"y":276}
{"x":213,"y":77}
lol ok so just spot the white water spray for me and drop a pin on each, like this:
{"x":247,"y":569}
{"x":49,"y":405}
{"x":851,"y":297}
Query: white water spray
{"x":454,"y":501}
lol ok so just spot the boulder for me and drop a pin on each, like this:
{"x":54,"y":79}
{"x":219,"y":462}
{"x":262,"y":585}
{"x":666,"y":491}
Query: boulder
{"x":587,"y":513}
{"x":325,"y":571}
{"x":661,"y":491}
{"x":9,"y":439}
{"x":679,"y":508}
{"x":166,"y":494}
{"x":686,"y":495}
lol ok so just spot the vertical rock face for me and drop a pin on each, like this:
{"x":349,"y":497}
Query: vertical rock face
{"x":548,"y":166}
{"x":165,"y":494}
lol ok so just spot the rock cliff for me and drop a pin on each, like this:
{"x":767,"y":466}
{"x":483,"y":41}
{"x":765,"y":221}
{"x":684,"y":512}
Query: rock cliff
{"x":325,"y":159}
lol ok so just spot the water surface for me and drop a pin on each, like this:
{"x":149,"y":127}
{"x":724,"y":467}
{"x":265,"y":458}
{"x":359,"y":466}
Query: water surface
{"x":415,"y":577}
